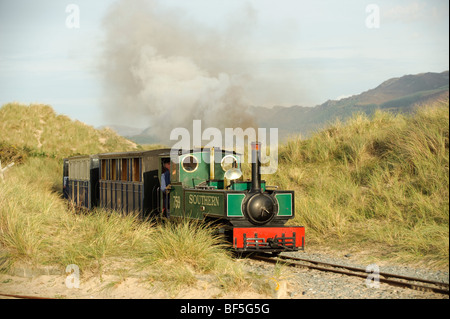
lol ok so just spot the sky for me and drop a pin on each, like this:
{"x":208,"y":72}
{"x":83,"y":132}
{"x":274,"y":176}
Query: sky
{"x":292,"y":52}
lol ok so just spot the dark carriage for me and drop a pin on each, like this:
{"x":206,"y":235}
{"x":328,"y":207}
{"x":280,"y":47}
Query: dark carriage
{"x":81,"y":180}
{"x":130,"y":181}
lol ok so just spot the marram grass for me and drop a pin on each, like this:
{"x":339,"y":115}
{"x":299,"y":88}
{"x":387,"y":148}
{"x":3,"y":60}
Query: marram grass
{"x":37,"y":227}
{"x":379,"y":184}
{"x":40,"y":131}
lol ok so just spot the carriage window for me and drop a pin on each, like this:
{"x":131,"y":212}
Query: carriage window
{"x":71,"y":175}
{"x":103,"y":170}
{"x":135,"y":170}
{"x":66,"y":168}
{"x":77,"y":165}
{"x":113,"y":170}
{"x":189,"y":164}
{"x":124,"y":170}
{"x":83,"y":168}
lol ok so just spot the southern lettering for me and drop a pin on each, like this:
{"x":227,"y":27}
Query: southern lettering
{"x":203,"y":200}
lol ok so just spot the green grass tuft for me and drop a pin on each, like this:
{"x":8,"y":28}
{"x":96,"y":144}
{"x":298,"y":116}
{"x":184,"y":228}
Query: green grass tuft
{"x":379,"y":184}
{"x":39,"y":131}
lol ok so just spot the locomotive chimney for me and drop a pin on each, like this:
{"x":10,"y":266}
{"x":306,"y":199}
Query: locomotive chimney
{"x":256,"y":173}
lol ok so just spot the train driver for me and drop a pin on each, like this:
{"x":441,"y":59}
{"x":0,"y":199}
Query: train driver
{"x":165,"y":187}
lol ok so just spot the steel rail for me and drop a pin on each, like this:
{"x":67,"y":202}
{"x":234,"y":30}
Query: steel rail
{"x":384,"y":274}
{"x":23,"y":297}
{"x":388,"y":278}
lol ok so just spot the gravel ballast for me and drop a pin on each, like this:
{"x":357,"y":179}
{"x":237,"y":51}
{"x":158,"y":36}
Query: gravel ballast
{"x":315,"y":284}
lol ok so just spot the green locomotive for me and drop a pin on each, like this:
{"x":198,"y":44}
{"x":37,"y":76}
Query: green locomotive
{"x":205,"y":184}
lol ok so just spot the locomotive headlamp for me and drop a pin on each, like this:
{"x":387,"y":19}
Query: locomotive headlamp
{"x":233,"y":173}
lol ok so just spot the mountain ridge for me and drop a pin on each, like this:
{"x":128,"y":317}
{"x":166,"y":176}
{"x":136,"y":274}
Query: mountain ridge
{"x":400,"y":94}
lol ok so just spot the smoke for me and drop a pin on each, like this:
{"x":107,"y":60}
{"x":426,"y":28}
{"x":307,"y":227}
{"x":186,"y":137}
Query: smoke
{"x":162,"y":70}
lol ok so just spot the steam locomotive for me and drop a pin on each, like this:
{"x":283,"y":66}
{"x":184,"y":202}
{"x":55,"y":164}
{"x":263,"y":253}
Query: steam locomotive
{"x":251,"y":214}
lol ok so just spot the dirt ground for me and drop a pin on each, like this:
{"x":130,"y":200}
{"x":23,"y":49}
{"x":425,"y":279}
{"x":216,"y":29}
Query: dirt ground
{"x":109,"y":287}
{"x":118,"y":280}
{"x":113,"y":283}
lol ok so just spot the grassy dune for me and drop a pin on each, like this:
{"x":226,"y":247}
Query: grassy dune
{"x":39,"y":130}
{"x":37,"y":227}
{"x":379,"y":184}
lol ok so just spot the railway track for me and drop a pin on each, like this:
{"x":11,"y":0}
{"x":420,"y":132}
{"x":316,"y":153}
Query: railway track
{"x":387,"y":278}
{"x":22,"y":297}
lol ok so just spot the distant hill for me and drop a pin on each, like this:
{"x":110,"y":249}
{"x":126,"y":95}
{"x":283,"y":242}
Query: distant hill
{"x":409,"y":85}
{"x":39,"y":130}
{"x":396,"y":95}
